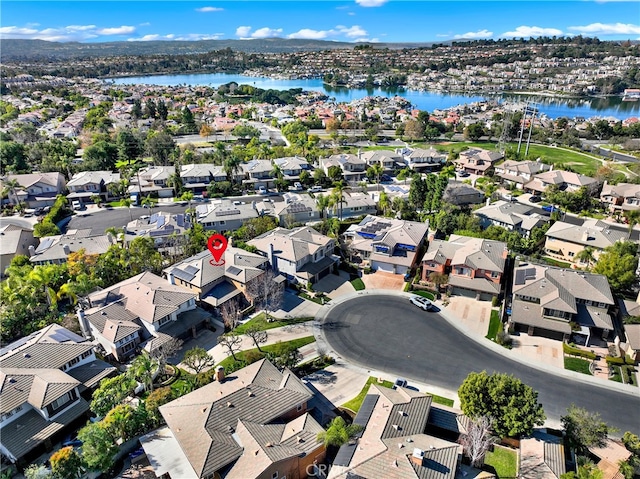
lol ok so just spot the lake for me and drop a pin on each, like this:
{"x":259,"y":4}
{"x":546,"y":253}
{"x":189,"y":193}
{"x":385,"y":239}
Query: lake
{"x":424,"y":100}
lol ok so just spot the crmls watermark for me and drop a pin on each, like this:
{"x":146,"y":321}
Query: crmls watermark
{"x":318,"y":470}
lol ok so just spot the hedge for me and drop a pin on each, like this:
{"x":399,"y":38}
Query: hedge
{"x":570,"y":350}
{"x":618,"y":361}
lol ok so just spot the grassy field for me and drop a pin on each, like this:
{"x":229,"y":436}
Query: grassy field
{"x":261,"y":321}
{"x":504,"y":461}
{"x":577,"y":364}
{"x":494,"y":325}
{"x":355,"y":403}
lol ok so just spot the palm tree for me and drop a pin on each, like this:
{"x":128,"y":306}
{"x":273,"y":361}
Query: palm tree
{"x":338,"y":433}
{"x":148,"y":202}
{"x":384,"y":203}
{"x":323,"y":202}
{"x":337,"y":195}
{"x":377,"y":169}
{"x":127,"y":202}
{"x":232,"y":167}
{"x":586,"y":256}
{"x":175,"y":181}
{"x":10,"y":187}
{"x":143,"y":369}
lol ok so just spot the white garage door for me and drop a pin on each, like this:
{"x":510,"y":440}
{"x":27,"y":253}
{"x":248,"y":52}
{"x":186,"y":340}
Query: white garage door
{"x":382,"y":267}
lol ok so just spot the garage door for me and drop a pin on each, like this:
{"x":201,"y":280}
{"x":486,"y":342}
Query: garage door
{"x":467,"y":293}
{"x":386,"y":267}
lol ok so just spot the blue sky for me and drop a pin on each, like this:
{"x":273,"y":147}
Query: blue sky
{"x":338,"y":20}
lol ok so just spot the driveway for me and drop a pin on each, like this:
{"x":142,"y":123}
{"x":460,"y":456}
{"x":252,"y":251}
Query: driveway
{"x":295,"y":307}
{"x":334,"y":285}
{"x":383,"y":280}
{"x":473,"y":314}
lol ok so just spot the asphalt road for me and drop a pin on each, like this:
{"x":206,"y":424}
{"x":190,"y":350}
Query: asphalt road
{"x":388,"y":333}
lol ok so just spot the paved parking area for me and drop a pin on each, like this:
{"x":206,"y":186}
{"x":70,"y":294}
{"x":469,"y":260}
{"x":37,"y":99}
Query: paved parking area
{"x":334,"y":285}
{"x":473,"y":314}
{"x":541,"y":350}
{"x":383,"y":280}
{"x":338,"y":382}
{"x":296,"y":307}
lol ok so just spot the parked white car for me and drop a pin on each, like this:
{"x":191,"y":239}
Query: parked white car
{"x":76,"y":205}
{"x":421,"y":302}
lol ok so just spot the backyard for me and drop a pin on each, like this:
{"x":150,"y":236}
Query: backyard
{"x":503,"y":461}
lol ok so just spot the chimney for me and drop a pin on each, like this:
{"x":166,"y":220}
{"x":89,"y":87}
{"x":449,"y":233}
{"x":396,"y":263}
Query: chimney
{"x":170,"y":278}
{"x":84,"y":323}
{"x":219,"y":376}
{"x":66,"y":249}
{"x":417,"y":457}
{"x":32,"y":250}
{"x":271,"y":256}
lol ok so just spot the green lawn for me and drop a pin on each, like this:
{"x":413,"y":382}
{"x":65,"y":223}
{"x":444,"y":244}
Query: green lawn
{"x":255,"y":355}
{"x":358,"y":284}
{"x":577,"y":364}
{"x":261,"y":321}
{"x":355,"y":403}
{"x":555,"y":262}
{"x":494,"y":325}
{"x":504,"y":461}
{"x":617,"y":375}
{"x":323,"y":300}
{"x":425,"y":294}
{"x":441,"y":400}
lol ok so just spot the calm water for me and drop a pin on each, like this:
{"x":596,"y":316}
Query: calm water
{"x":429,"y":101}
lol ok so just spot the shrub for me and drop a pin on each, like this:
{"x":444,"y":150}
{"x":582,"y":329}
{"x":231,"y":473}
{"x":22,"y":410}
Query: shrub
{"x":495,"y":301}
{"x":618,"y":361}
{"x":407,"y":287}
{"x":573,"y":351}
{"x":503,"y":339}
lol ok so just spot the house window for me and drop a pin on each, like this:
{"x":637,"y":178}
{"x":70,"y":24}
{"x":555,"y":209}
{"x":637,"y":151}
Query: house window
{"x":495,"y":274}
{"x":128,"y":347}
{"x":299,"y":408}
{"x":274,"y":475}
{"x":221,"y":222}
{"x":571,"y":254}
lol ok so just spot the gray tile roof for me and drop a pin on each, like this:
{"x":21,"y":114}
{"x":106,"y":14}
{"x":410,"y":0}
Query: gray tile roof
{"x":592,"y":234}
{"x":51,"y":248}
{"x":38,"y":387}
{"x":90,"y":374}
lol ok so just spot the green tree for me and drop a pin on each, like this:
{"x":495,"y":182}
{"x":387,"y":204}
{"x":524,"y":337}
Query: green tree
{"x":143,"y":370}
{"x":188,"y":121}
{"x":334,"y":173}
{"x":198,"y":359}
{"x":337,"y":196}
{"x":156,"y":399}
{"x":338,"y":433}
{"x":110,"y":393}
{"x":10,"y":188}
{"x":37,"y":471}
{"x":102,"y":155}
{"x":13,"y":157}
{"x":245,"y":131}
{"x":285,"y":355}
{"x":586,"y":470}
{"x":618,"y":263}
{"x":120,"y":422}
{"x":584,"y":429}
{"x":160,"y":146}
{"x":512,"y":405}
{"x":474,"y":131}
{"x":66,"y":463}
{"x":98,"y":448}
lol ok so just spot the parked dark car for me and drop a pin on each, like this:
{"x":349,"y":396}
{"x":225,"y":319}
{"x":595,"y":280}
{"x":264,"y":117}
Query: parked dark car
{"x":385,"y":178}
{"x":535,"y":199}
{"x":400,"y":383}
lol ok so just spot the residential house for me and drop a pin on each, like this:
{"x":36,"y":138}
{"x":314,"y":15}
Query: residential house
{"x":421,"y":159}
{"x":36,"y":189}
{"x":43,"y":380}
{"x":196,"y":177}
{"x":217,"y":284}
{"x":389,"y":160}
{"x":296,"y":209}
{"x":608,"y":458}
{"x":387,"y":244}
{"x":354,"y":203}
{"x":56,"y":249}
{"x":560,"y":303}
{"x":353,"y":167}
{"x":225,"y":216}
{"x":15,"y":239}
{"x":144,"y":307}
{"x":621,"y":197}
{"x":393,"y":443}
{"x":475,"y":266}
{"x":519,"y":173}
{"x":512,"y":216}
{"x":258,"y":173}
{"x":462,"y":194}
{"x":478,"y":161}
{"x":563,"y":180}
{"x":542,"y":456}
{"x":301,"y":254}
{"x":86,"y":184}
{"x":631,"y":344}
{"x":167,"y":230}
{"x":153,"y":180}
{"x":253,"y":423}
{"x":292,"y":166}
{"x":564,"y":241}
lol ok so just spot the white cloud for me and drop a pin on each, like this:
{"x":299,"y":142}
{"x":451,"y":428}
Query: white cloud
{"x":352,"y":32}
{"x":371,"y":3}
{"x":526,"y":31}
{"x":145,"y":24}
{"x":243,"y":32}
{"x":266,"y":32}
{"x":352,"y":14}
{"x":174,"y":37}
{"x":209,"y":9}
{"x":123,"y":30}
{"x":366,"y":40}
{"x":471,"y":35}
{"x":308,"y":33}
{"x":608,"y":29}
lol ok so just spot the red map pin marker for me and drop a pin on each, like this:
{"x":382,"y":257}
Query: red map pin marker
{"x":217,"y":244}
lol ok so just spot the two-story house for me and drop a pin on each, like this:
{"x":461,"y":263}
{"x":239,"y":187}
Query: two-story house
{"x":258,"y":173}
{"x":353,"y":167}
{"x":389,"y":160}
{"x":512,"y":216}
{"x":252,"y":424}
{"x":225,"y":216}
{"x":196,"y":177}
{"x":561,"y":303}
{"x":478,"y":161}
{"x":354,"y":203}
{"x":301,"y":254}
{"x":216,"y":284}
{"x":292,"y":166}
{"x":296,"y":209}
{"x":519,"y":173}
{"x":84,"y":185}
{"x":153,"y":179}
{"x":621,"y":197}
{"x":462,"y":194}
{"x":387,"y":244}
{"x":43,"y":380}
{"x":167,"y":230}
{"x":565,"y":241}
{"x":421,"y":159}
{"x":127,"y":314}
{"x":56,"y":249}
{"x":563,"y":180}
{"x":36,"y":189}
{"x":475,"y":266}
{"x":15,"y":239}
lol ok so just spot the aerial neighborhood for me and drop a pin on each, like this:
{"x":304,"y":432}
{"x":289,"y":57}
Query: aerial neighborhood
{"x":230,"y":282}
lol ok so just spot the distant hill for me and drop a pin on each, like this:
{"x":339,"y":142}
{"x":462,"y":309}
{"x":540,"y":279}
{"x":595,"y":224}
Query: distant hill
{"x":21,"y":50}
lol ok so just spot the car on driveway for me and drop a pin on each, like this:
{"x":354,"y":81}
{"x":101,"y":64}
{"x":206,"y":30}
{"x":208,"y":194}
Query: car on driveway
{"x":535,"y":199}
{"x":400,"y":383}
{"x":550,"y":208}
{"x":421,"y":302}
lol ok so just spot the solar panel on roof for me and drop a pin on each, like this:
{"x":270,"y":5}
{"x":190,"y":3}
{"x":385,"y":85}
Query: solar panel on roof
{"x":183,"y":275}
{"x":180,"y":220}
{"x":234,"y":271}
{"x":364,"y":414}
{"x":227,"y":212}
{"x":191,"y":269}
{"x":161,"y":220}
{"x":153,"y":218}
{"x":44,"y":244}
